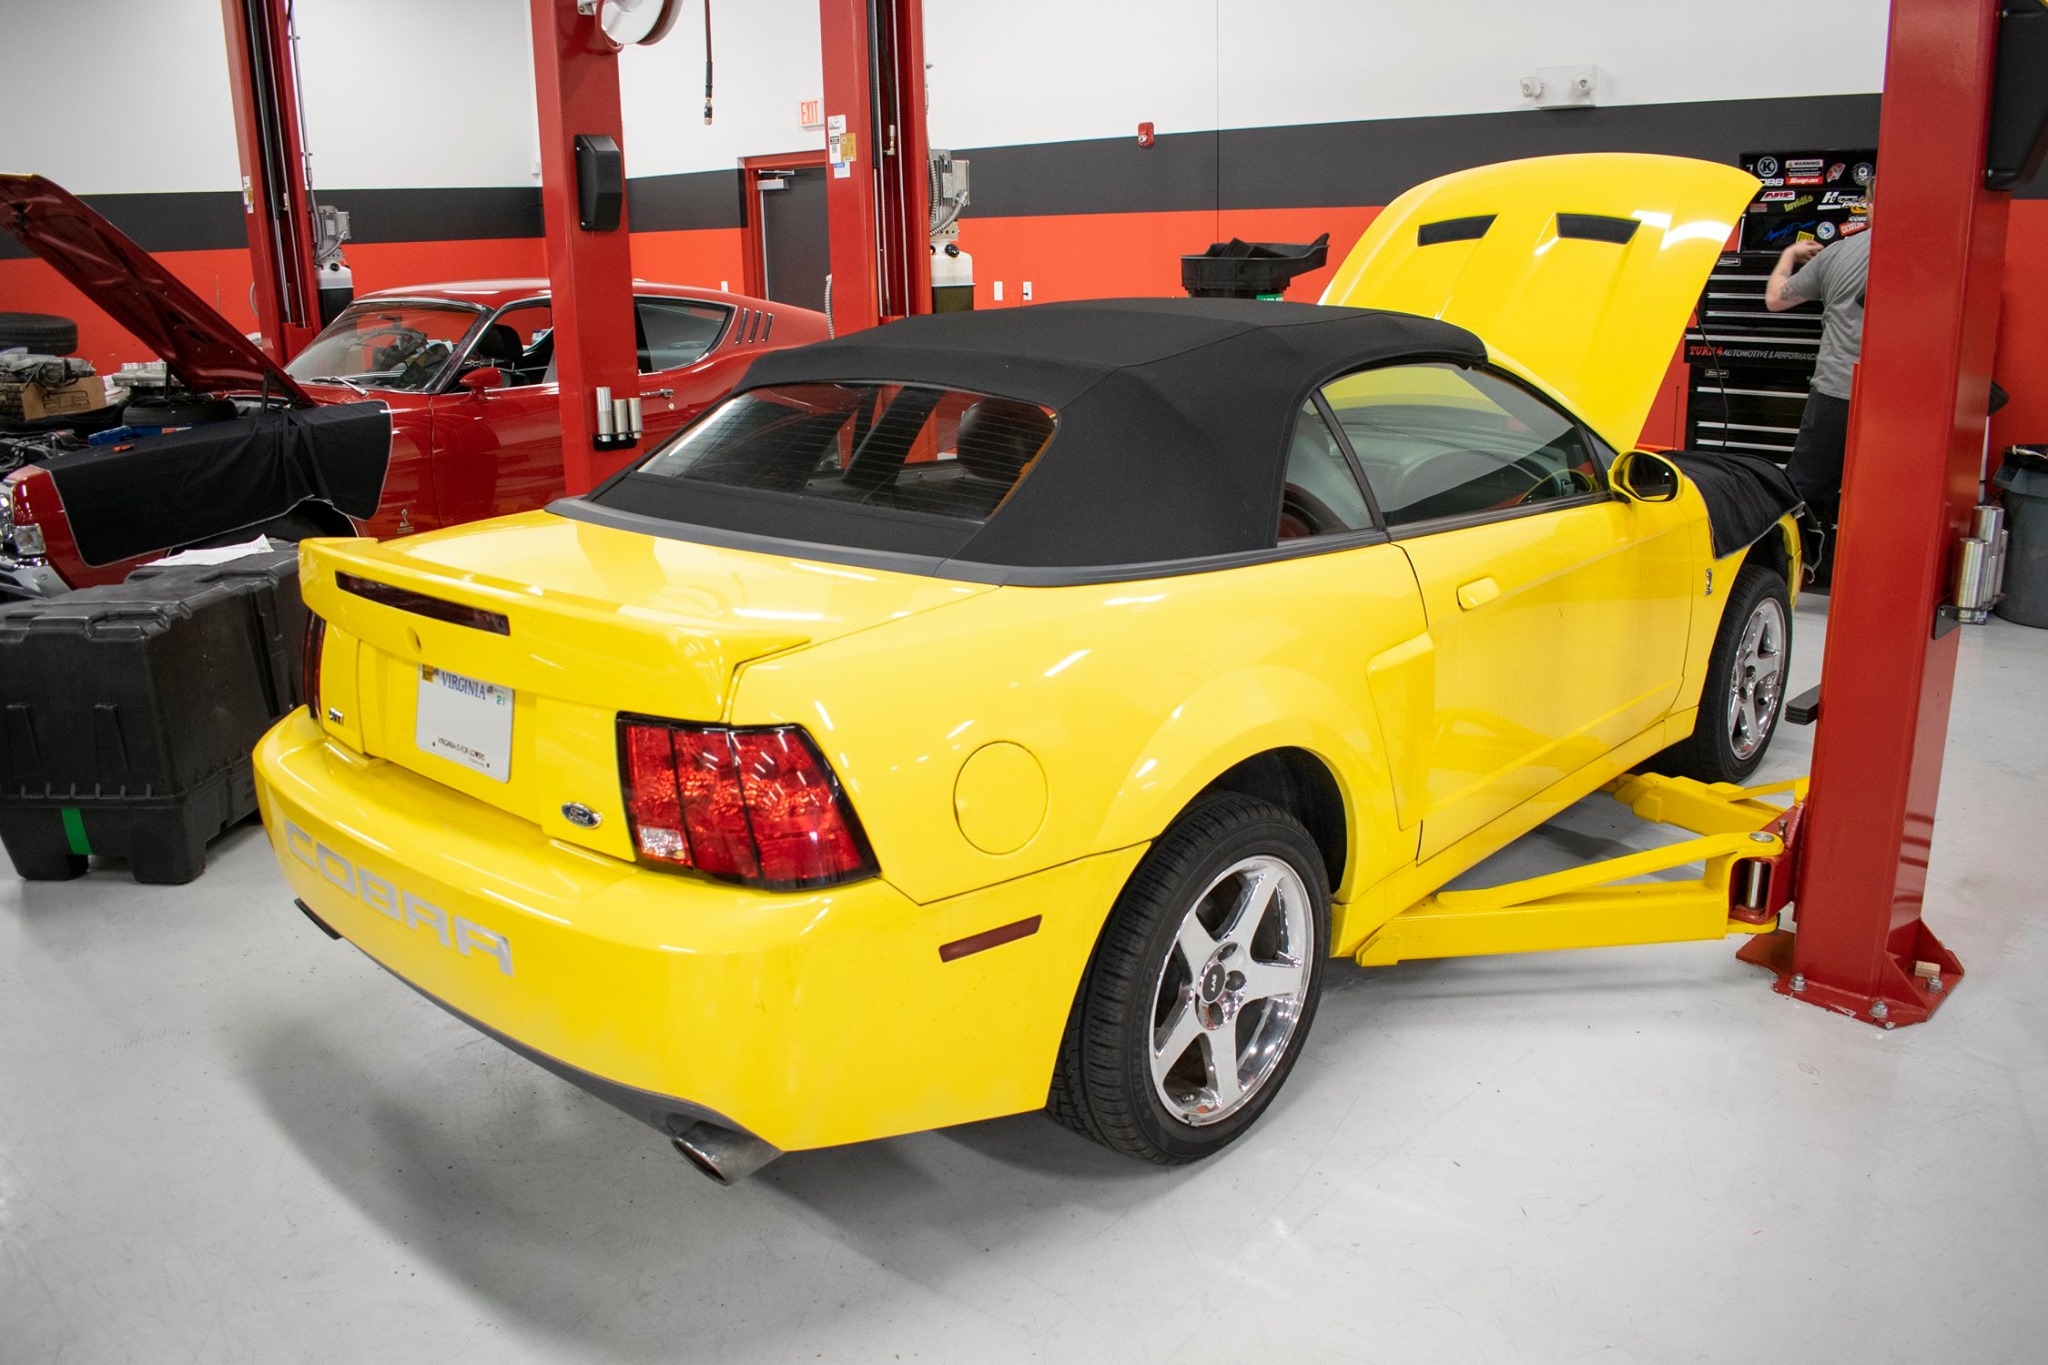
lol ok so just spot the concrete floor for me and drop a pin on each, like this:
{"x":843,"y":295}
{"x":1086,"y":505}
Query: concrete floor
{"x":223,"y":1138}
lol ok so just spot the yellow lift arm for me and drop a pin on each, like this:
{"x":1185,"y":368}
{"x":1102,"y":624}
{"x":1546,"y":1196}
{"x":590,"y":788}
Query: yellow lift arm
{"x":1743,"y":839}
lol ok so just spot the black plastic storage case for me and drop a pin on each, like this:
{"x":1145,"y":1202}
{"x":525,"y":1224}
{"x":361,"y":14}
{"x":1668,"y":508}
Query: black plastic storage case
{"x":127,"y":713}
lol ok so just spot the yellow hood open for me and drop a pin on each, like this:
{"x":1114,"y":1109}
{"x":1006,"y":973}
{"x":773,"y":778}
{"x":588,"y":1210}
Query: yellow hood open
{"x":1578,"y":272}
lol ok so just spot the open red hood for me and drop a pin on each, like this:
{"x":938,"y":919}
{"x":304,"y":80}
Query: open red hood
{"x":201,"y":347}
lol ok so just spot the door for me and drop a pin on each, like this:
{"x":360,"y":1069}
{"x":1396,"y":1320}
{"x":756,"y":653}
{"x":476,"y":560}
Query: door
{"x":500,"y":450}
{"x":674,"y":336}
{"x":795,"y":253}
{"x":1557,"y":612}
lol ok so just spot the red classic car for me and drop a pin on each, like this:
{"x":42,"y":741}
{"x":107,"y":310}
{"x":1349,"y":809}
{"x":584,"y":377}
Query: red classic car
{"x":466,"y":371}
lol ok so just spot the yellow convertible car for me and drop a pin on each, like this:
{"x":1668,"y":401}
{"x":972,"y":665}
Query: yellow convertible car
{"x":1001,"y":711}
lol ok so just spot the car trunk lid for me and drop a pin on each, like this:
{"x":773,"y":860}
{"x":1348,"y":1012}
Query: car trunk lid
{"x":1578,"y":272}
{"x":581,"y":623}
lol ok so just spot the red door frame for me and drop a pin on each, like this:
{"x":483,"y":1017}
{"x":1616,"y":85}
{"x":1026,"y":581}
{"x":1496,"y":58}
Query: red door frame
{"x":1915,"y":439}
{"x":753,"y":246}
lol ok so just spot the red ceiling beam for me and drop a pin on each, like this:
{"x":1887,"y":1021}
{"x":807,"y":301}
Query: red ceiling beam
{"x":1915,"y":439}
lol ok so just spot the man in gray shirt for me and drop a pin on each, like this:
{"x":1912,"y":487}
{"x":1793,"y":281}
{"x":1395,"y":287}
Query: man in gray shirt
{"x":1834,"y":275}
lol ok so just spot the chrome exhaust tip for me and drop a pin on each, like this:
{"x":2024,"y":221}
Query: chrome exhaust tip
{"x":723,"y":1154}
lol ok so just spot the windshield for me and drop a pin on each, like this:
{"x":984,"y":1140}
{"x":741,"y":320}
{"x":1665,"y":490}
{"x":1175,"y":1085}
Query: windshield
{"x":386,"y":345}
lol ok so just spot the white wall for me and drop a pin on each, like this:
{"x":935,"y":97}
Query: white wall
{"x":402,"y":93}
{"x":405,"y":94}
{"x":118,"y":96}
{"x":1058,"y":69}
{"x":766,"y":61}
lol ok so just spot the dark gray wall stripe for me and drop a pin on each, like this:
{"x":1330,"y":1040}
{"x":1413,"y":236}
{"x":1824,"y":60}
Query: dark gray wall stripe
{"x":679,"y":203}
{"x":199,"y":221}
{"x":1341,"y":164}
{"x":1326,"y":165}
{"x":443,"y":215}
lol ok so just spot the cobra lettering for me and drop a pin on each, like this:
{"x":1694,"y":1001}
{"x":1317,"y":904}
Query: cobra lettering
{"x":396,"y":904}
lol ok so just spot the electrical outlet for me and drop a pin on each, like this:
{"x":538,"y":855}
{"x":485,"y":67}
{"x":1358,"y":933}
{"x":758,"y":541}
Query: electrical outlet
{"x":998,"y":287}
{"x":1026,"y":295}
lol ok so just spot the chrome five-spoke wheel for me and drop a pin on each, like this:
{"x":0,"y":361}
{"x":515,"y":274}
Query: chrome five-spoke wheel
{"x":1758,"y":675}
{"x":1202,"y":987}
{"x":1231,"y":989}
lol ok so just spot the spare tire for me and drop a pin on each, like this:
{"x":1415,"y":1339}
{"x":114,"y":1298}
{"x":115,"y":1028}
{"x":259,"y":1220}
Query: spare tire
{"x":42,"y":333}
{"x":176,"y":410}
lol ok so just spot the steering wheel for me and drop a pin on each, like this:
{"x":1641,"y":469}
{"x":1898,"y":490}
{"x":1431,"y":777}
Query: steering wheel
{"x":1567,"y":482}
{"x":1303,"y":514}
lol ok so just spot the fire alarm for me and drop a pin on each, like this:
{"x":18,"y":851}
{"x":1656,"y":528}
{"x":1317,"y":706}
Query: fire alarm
{"x":1145,"y":136}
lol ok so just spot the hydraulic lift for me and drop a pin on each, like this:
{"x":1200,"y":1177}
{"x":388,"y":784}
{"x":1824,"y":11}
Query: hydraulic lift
{"x":1964,"y":106}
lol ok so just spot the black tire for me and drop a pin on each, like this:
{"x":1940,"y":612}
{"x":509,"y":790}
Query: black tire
{"x":1103,"y":1085}
{"x":41,"y":333}
{"x":1714,"y":752}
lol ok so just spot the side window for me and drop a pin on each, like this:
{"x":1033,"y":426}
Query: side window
{"x":676,"y":332}
{"x":1440,"y":441}
{"x":520,"y":341}
{"x":1321,"y":496}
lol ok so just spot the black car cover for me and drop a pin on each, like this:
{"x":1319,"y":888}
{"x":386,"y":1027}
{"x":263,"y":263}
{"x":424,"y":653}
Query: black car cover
{"x":1745,"y":495}
{"x":160,"y":492}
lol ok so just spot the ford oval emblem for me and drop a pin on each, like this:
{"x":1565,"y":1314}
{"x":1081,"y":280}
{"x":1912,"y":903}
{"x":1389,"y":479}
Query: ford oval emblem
{"x":580,"y":815}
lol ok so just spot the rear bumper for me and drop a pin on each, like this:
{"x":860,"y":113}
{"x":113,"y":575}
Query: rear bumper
{"x":807,"y":1019}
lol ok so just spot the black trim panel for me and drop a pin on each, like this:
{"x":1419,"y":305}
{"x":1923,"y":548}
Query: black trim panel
{"x":1596,"y":227}
{"x":682,"y":203}
{"x":1454,"y":230}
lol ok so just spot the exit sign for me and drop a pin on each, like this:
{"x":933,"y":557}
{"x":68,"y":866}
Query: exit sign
{"x":810,"y":113}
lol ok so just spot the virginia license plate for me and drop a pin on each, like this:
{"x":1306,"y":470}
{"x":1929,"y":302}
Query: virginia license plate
{"x":465,"y":721}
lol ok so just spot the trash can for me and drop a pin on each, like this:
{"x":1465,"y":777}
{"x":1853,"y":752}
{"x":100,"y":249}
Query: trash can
{"x":2024,"y":477}
{"x":1250,"y":270}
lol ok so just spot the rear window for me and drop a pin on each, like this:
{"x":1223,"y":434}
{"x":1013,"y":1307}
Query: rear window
{"x":902,"y":450}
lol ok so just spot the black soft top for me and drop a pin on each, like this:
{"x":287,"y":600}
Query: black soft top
{"x":1173,"y":422}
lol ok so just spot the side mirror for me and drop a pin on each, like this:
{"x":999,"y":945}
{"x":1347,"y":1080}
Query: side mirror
{"x":482,"y":379}
{"x":1645,"y":476}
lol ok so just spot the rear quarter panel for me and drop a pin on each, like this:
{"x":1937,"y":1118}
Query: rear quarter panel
{"x":1131,"y":697}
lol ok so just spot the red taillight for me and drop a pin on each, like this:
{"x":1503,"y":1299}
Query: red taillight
{"x":309,"y":662}
{"x":757,"y":806}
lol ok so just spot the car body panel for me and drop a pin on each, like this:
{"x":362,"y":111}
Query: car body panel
{"x":1076,"y":676}
{"x":758,"y":1005}
{"x":1572,"y":587}
{"x":1590,"y":321}
{"x":599,"y":621}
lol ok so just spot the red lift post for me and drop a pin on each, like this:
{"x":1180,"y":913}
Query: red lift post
{"x":877,"y":196}
{"x":277,"y":207}
{"x":590,"y":272}
{"x":1916,"y":435}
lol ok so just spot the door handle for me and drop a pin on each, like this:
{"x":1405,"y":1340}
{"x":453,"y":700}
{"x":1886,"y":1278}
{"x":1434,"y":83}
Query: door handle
{"x":659,"y":393}
{"x":1477,"y":593}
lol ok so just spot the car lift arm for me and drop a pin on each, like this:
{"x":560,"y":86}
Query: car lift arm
{"x":1745,"y":842}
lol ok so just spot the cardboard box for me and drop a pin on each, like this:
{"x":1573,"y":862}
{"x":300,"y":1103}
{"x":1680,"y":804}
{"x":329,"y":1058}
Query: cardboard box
{"x":79,"y":395}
